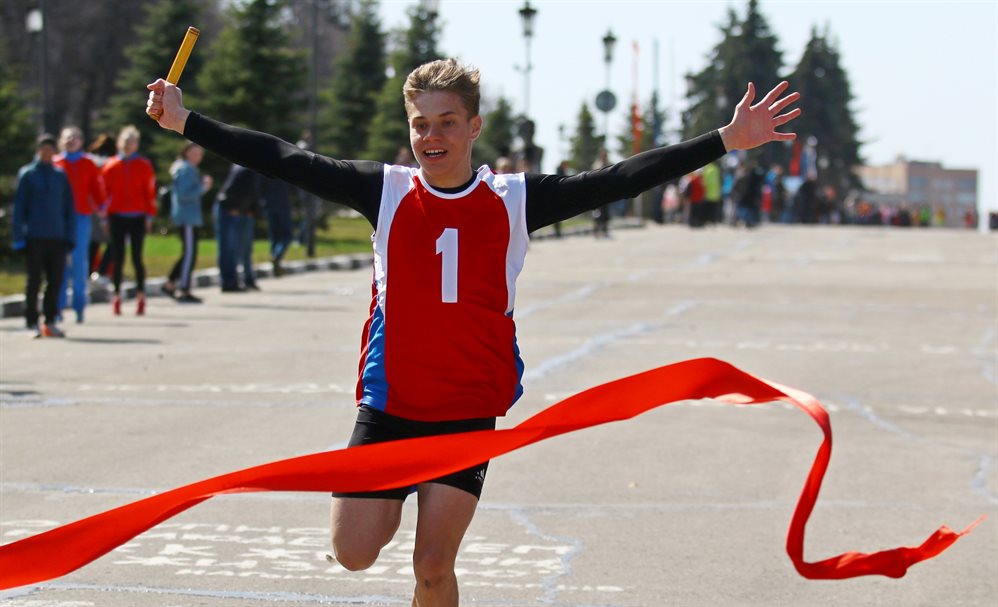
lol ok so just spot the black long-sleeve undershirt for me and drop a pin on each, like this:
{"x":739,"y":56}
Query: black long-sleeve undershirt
{"x":358,"y":183}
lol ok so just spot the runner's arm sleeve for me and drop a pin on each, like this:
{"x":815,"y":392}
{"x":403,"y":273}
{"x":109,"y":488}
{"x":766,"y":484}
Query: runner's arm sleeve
{"x":354,"y":183}
{"x":553,"y":198}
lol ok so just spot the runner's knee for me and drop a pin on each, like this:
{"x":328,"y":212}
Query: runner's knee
{"x":432,"y":568}
{"x":353,"y":557}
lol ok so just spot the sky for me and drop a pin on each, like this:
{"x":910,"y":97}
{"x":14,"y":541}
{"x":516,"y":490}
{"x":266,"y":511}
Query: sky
{"x":923,"y":74}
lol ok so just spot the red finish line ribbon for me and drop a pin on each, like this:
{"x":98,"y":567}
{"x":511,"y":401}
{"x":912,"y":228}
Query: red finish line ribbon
{"x":407,"y":462}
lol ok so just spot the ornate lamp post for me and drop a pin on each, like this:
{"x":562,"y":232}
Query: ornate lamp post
{"x":606,"y":100}
{"x":527,"y":14}
{"x":35,"y":24}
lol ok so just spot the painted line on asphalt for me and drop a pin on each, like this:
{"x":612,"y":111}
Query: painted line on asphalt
{"x":549,"y":583}
{"x":984,"y":462}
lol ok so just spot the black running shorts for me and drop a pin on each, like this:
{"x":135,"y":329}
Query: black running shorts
{"x":375,"y":426}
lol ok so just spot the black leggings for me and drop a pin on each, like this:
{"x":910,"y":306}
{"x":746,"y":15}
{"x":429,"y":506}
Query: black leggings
{"x":134,"y":228}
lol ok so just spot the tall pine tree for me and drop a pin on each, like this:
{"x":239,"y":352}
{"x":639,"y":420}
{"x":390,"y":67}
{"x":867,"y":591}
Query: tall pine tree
{"x":746,"y":53}
{"x":586,"y":143}
{"x":820,"y":79}
{"x":253,"y":77}
{"x":360,"y":75}
{"x":418,"y":45}
{"x":158,"y":38}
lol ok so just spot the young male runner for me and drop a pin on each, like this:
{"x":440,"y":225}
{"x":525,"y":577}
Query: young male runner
{"x":439,"y":353}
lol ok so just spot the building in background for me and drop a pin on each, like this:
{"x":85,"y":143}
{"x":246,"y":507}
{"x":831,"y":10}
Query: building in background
{"x":950,"y":194}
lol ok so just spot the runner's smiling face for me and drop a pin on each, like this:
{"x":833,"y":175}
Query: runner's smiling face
{"x":441,"y":134}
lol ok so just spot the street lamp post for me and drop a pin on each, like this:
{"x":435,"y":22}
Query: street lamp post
{"x":35,"y":24}
{"x":606,"y":100}
{"x":527,"y":14}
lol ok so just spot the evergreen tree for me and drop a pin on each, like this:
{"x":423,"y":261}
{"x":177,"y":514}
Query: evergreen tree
{"x":17,"y":133}
{"x":158,"y":38}
{"x":360,"y":76}
{"x":746,"y":53}
{"x":390,"y":126}
{"x":17,"y":127}
{"x":253,"y":78}
{"x":497,"y":134}
{"x":651,"y":123}
{"x":820,"y":79}
{"x":585,"y":143}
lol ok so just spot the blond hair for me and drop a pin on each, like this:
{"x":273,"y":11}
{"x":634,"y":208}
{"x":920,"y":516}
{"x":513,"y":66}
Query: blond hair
{"x":445,"y":75}
{"x":128,"y":132}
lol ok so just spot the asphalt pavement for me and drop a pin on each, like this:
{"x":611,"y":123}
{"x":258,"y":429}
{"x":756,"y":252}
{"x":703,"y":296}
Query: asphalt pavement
{"x":895,"y":331}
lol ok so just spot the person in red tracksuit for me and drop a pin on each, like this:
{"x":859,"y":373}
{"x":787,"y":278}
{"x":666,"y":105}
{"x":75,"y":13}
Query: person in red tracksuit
{"x":439,"y":352}
{"x":130,"y":208}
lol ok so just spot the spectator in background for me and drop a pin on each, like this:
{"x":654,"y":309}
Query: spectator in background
{"x":100,"y":151}
{"x":277,"y":201}
{"x":237,"y":200}
{"x":693,"y":192}
{"x":44,"y":227}
{"x":88,"y":194}
{"x":131,"y":187}
{"x":187,"y":188}
{"x":711,"y":175}
{"x":778,"y":194}
{"x":748,"y":195}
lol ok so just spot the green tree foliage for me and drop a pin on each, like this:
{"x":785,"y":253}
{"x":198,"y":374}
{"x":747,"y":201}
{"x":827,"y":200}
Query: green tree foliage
{"x":651,"y":122}
{"x":17,"y":127}
{"x":498,"y":132}
{"x":746,"y":53}
{"x":253,"y":77}
{"x":824,"y":86}
{"x":416,"y":46}
{"x":159,"y":36}
{"x":17,"y":134}
{"x":360,"y":75}
{"x":585,"y":143}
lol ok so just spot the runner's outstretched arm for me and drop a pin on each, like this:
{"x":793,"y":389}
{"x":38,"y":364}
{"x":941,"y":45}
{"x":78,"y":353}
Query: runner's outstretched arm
{"x":355,"y":183}
{"x":551,"y":198}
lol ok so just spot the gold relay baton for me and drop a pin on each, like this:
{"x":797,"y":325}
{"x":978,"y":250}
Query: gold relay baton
{"x":183,"y":53}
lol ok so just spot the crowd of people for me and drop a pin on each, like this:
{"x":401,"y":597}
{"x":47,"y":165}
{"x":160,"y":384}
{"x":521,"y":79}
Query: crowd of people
{"x":749,"y":195}
{"x":78,"y":211}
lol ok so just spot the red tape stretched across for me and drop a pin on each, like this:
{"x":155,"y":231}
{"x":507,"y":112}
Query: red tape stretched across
{"x":381,"y":466}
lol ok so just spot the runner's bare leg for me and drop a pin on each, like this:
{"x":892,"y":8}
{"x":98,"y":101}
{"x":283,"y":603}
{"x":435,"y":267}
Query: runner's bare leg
{"x":361,"y":527}
{"x":444,"y":515}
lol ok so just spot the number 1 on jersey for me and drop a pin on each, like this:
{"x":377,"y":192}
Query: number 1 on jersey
{"x":447,"y":246}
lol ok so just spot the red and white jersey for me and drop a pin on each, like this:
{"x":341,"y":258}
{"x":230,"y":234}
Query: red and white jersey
{"x":440,"y":343}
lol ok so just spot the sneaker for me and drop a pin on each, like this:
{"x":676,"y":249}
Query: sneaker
{"x":233,"y":290}
{"x":48,"y":330}
{"x":116,"y":305}
{"x":252,"y":287}
{"x":186,"y":298}
{"x":278,"y":270}
{"x":140,"y":306}
{"x":168,"y":290}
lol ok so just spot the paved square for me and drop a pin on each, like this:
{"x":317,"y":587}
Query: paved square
{"x":895,"y":331}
